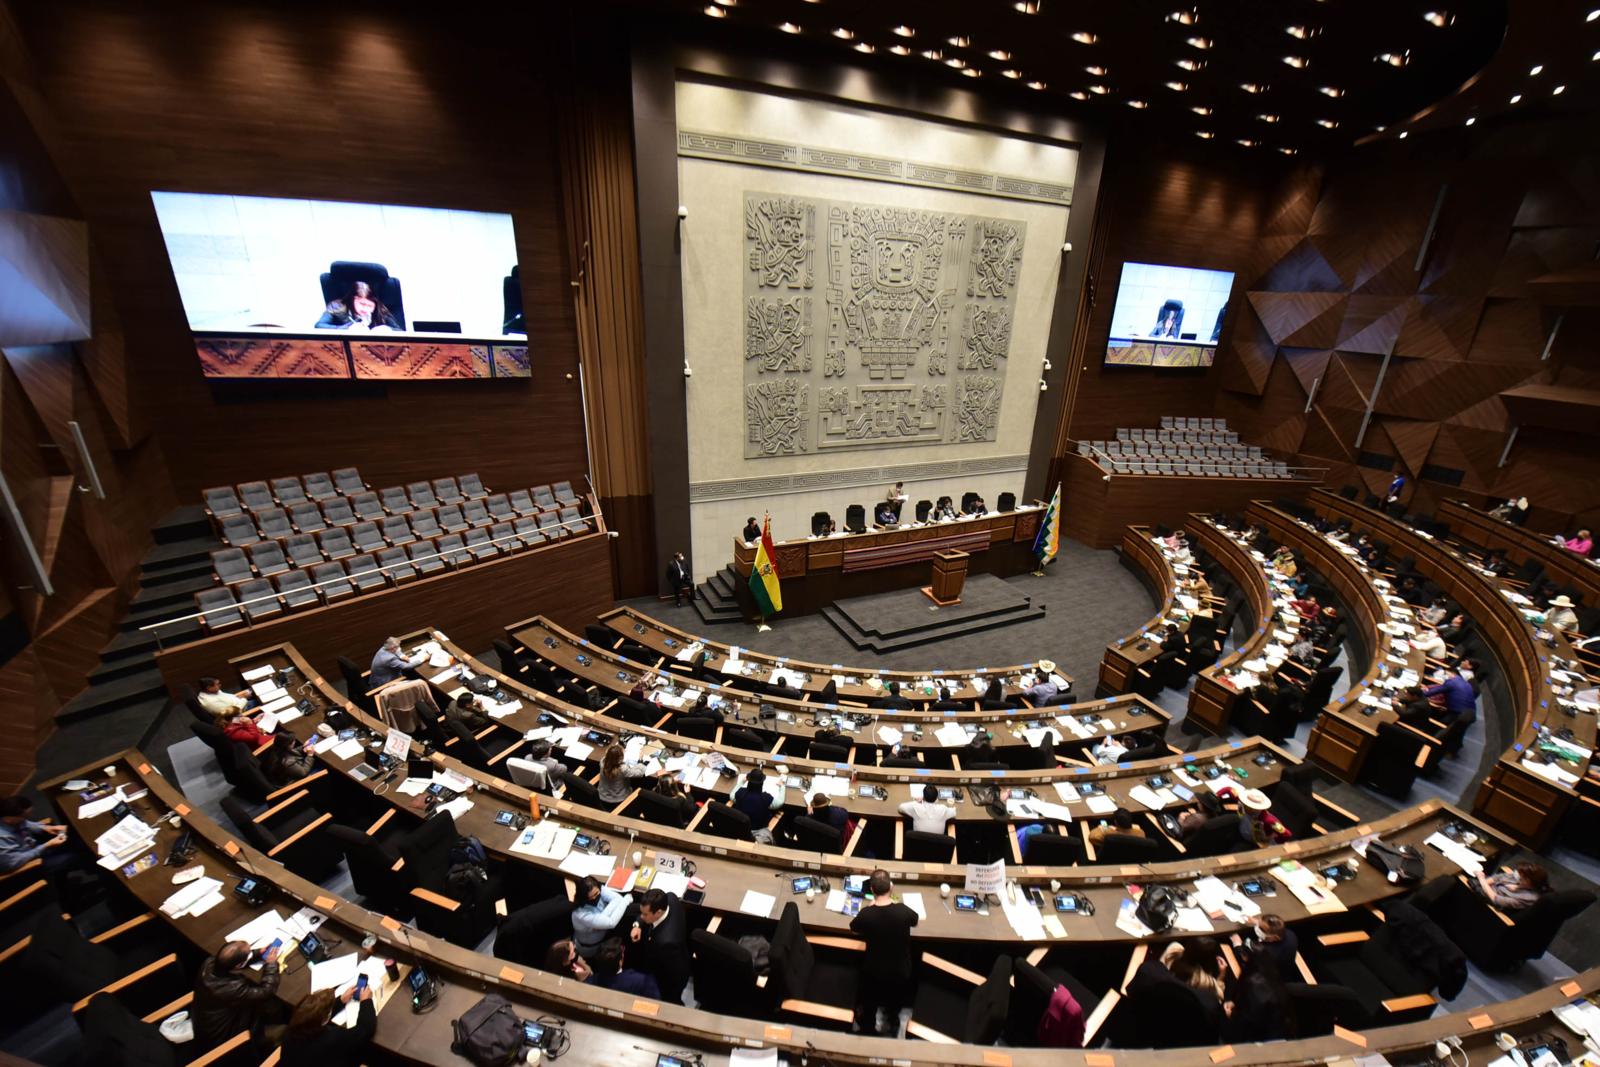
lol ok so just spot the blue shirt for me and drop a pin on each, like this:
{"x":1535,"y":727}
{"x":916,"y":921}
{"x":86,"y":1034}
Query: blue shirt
{"x":1459,"y":698}
{"x":388,"y":666}
{"x":592,"y":922}
{"x":21,"y":844}
{"x":638,"y":983}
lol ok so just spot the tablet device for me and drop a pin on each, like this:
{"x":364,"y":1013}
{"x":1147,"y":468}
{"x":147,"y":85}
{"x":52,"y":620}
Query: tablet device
{"x":1255,"y":887}
{"x":312,"y":948}
{"x":947,"y":794}
{"x":800,"y":885}
{"x":868,"y":792}
{"x":666,"y":1060}
{"x":855,"y":884}
{"x":1213,"y":772}
{"x":504,"y":818}
{"x":1264,"y":760}
{"x":1066,"y":902}
{"x":1089,"y":789}
{"x":1016,"y":794}
{"x":583,"y":842}
{"x":534,"y":1034}
{"x":694,"y":896}
{"x":418,"y":980}
{"x":966,"y":902}
{"x":1158,"y":781}
{"x":595,"y":737}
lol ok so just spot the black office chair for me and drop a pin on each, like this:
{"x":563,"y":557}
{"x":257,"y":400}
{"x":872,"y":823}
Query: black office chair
{"x":1391,"y":767}
{"x":1317,"y":1009}
{"x":966,"y":501}
{"x":1052,"y":850}
{"x":798,"y":973}
{"x":1131,"y":848}
{"x":1487,"y":940}
{"x":855,"y":519}
{"x":725,"y":976}
{"x":952,"y":1007}
{"x":923,"y":847}
{"x":661,"y":810}
{"x":581,"y":791}
{"x":1006,"y":502}
{"x":1215,"y":836}
{"x":813,"y":835}
{"x":722,"y":821}
{"x":1031,"y":992}
{"x":356,"y":686}
{"x":114,"y":1035}
{"x":513,"y":320}
{"x":923,"y":508}
{"x":1164,"y":1012}
{"x":527,"y":933}
{"x":829,"y":752}
{"x":371,"y":864}
{"x":426,"y":851}
{"x":342,"y":275}
{"x":819,"y":522}
{"x":739,"y":737}
{"x":699,"y":727}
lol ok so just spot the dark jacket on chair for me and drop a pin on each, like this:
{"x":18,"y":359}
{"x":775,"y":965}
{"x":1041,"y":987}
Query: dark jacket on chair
{"x":226,"y":1002}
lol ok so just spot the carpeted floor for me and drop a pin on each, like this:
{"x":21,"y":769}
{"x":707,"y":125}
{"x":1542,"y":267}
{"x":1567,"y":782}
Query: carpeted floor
{"x":1091,"y":598}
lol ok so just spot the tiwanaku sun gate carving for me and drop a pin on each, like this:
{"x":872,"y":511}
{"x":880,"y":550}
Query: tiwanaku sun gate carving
{"x":911,"y":320}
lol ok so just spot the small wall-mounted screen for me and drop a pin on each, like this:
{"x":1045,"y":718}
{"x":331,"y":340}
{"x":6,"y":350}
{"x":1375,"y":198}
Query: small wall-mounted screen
{"x":1167,"y":316}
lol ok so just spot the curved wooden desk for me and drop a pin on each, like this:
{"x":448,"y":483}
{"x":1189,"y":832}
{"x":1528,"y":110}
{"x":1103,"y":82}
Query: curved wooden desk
{"x":1212,"y":696}
{"x":1520,"y":545}
{"x":1152,"y":562}
{"x":1521,"y":801}
{"x":676,"y":646}
{"x":608,"y":1027}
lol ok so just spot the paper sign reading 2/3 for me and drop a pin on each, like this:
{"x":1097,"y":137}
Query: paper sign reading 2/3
{"x":986,"y":877}
{"x":397,"y":744}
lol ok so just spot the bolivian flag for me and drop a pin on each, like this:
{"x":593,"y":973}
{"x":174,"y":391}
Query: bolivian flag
{"x":1048,"y":543}
{"x":764,"y":575}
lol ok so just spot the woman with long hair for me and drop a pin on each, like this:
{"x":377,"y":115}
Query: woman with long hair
{"x":366,"y":309}
{"x":615,"y":774}
{"x":312,"y":1041}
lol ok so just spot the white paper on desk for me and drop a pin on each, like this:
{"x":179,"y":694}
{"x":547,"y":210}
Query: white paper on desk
{"x":914,"y":902}
{"x":581,"y":864}
{"x":1457,"y":853}
{"x":1186,"y":778}
{"x":830,"y":785}
{"x":89,"y":809}
{"x":1128,"y":920}
{"x":1549,"y":771}
{"x":289,"y":714}
{"x":889,"y":735}
{"x":500,"y":711}
{"x":1193,"y":920}
{"x":267,"y":690}
{"x":1024,"y":918}
{"x":349,"y":749}
{"x":579,"y":751}
{"x":267,"y":722}
{"x":259,"y":930}
{"x":277,"y":706}
{"x":335,"y":973}
{"x":122,"y":838}
{"x":255,"y":674}
{"x":835,"y":901}
{"x":1100,"y":805}
{"x":1146,"y":796}
{"x":453,"y":780}
{"x":185,"y":900}
{"x":757,"y":904}
{"x":1036,"y":735}
{"x":205,"y":903}
{"x":668,"y":882}
{"x":951,"y":735}
{"x":1047,"y":810}
{"x":1068,"y":792}
{"x":413,"y":786}
{"x":457,"y":808}
{"x":1021,"y":809}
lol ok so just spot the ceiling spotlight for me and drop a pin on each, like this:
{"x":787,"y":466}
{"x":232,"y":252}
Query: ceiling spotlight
{"x":1394,"y":59}
{"x":955,"y":61}
{"x":900,"y":50}
{"x":972,"y":72}
{"x":1201,"y":43}
{"x":1299,"y":33}
{"x":903,"y":31}
{"x":1177,"y":87}
{"x":1012,"y":74}
{"x":1191,"y":64}
{"x":1471,"y":120}
{"x":865,"y":48}
{"x":1327,"y":124}
{"x":1595,"y":58}
{"x":999,"y":53}
{"x":1099,"y":90}
{"x":1098,"y":72}
{"x":1084,"y":37}
{"x":1138,"y":104}
{"x":1297,"y":62}
{"x":1558,"y":90}
{"x":844,"y":34}
{"x":1184,"y":18}
{"x":716,"y":12}
{"x":1591,"y":16}
{"x":1288,"y":151}
{"x":1267,"y":118}
{"x":1247,"y":142}
{"x":1516,"y":98}
{"x":726,"y":3}
{"x":962,"y":41}
{"x":1438,"y":19}
{"x":1204,"y":135}
{"x":1536,"y":70}
{"x":1253,"y":87}
{"x":1036,"y":85}
{"x":1027,"y":7}
{"x":788,"y":27}
{"x":933,"y":53}
{"x":1078,"y":94}
{"x":1328,"y":90}
{"x":1404,"y":134}
{"x":1201,"y":110}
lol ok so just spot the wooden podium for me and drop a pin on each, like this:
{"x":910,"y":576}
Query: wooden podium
{"x":949,"y":574}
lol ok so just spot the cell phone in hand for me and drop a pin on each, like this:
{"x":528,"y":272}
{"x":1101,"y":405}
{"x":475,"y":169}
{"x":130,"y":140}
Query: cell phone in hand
{"x":361,"y":985}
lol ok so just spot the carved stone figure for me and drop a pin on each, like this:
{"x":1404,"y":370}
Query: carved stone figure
{"x":784,"y":231}
{"x":893,"y":302}
{"x":977,"y":407}
{"x":985,"y":337}
{"x":996,"y":255}
{"x":891,"y":414}
{"x":775,"y":416}
{"x":777,"y":333}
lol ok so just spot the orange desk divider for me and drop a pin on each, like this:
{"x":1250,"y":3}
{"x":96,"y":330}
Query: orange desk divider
{"x":1480,"y":1022}
{"x":144,"y":768}
{"x":1223,"y":1054}
{"x":1098,"y":1059}
{"x":324,"y":903}
{"x":647,"y":1007}
{"x":996,"y":1059}
{"x":1349,"y":1035}
{"x":231,"y":848}
{"x":1571,"y":989}
{"x":511,"y":974}
{"x":389,"y":923}
{"x":181,"y":809}
{"x":777,"y":1033}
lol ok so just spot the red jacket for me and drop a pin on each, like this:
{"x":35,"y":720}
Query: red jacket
{"x":1061,"y":1025}
{"x":246,"y":730}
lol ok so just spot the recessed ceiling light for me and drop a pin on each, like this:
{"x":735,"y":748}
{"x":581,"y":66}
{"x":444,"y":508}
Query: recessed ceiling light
{"x":1297,"y":62}
{"x":1177,"y":87}
{"x":1516,"y":98}
{"x":1027,"y":7}
{"x":933,"y":53}
{"x":962,"y":41}
{"x":716,"y":12}
{"x":955,"y":61}
{"x":1471,"y":120}
{"x":1404,"y":134}
{"x":1078,"y":94}
{"x":1247,"y":142}
{"x":1098,"y":72}
{"x":1201,"y":43}
{"x":788,"y":27}
{"x":1201,"y":110}
{"x":1328,"y":90}
{"x":1099,"y":90}
{"x":1036,"y":84}
{"x":1328,"y":124}
{"x":1012,"y":74}
{"x":726,"y":3}
{"x":1084,"y":37}
{"x":1186,"y":18}
{"x":1595,"y":58}
{"x":1139,"y":104}
{"x":863,"y":46}
{"x":900,"y":50}
{"x":1191,"y":64}
{"x":1536,"y":70}
{"x":1267,"y":118}
{"x":999,"y":53}
{"x":844,"y":34}
{"x":972,"y":72}
{"x":1591,"y":16}
{"x":1558,"y":90}
{"x":1299,"y":33}
{"x":1204,"y":135}
{"x":1253,"y":87}
{"x":1394,"y":59}
{"x":903,"y":31}
{"x":1438,"y":19}
{"x":1288,"y":151}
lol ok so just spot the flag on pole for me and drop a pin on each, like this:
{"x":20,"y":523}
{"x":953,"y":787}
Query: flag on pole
{"x":1048,"y":543}
{"x":764,"y":574}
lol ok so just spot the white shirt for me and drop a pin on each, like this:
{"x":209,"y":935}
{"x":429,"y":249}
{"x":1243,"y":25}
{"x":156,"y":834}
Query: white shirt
{"x":221,"y":703}
{"x":1562,"y":619}
{"x":927,"y":818}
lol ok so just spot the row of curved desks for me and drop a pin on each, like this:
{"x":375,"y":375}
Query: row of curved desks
{"x":1541,"y":673}
{"x":731,"y":868}
{"x":1521,"y":545}
{"x":616,"y":1028}
{"x":1213,"y":694}
{"x":854,"y":685}
{"x":798,"y":721}
{"x":1153,"y":562}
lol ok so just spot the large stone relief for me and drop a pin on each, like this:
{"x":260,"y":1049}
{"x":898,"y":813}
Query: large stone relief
{"x":782,"y":231}
{"x":907,"y":292}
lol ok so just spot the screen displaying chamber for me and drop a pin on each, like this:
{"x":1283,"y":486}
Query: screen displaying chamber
{"x":1167,"y":316}
{"x":279,"y":288}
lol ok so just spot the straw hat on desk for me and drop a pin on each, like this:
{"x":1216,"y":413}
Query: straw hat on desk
{"x":1047,"y":667}
{"x":1255,"y":799}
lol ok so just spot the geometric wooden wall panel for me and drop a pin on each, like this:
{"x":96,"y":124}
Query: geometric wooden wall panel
{"x":1508,"y":331}
{"x":44,"y":279}
{"x":1412,"y":439}
{"x":1371,"y":324}
{"x":1287,"y":315}
{"x":1438,"y":327}
{"x":1301,"y":269}
{"x":1308,"y":364}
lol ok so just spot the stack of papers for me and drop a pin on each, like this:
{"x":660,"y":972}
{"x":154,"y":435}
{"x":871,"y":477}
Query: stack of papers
{"x":267,"y":690}
{"x":951,"y":735}
{"x":757,"y":904}
{"x":129,"y":838}
{"x":256,"y":674}
{"x":195,"y":898}
{"x":582,"y":865}
{"x":1457,"y":853}
{"x":545,"y":840}
{"x":830,"y":785}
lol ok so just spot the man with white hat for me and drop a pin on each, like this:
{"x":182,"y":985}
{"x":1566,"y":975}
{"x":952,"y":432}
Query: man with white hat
{"x":1257,"y":825}
{"x":1047,"y":686}
{"x":1561,"y":618}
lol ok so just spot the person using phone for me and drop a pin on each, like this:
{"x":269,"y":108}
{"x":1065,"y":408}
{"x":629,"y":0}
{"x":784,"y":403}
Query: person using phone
{"x":229,"y":996}
{"x":662,"y":937}
{"x":312,"y":1041}
{"x":1121,"y":823}
{"x":885,"y":925}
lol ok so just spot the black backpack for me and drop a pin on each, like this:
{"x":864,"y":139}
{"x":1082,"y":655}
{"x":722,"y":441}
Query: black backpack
{"x":1403,"y":864}
{"x":489,"y":1033}
{"x":468,"y":866}
{"x":1158,"y":907}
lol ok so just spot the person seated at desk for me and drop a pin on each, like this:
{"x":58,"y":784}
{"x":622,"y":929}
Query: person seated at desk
{"x":311,"y":1039}
{"x":1273,"y":938}
{"x":1513,"y":888}
{"x":782,"y":686}
{"x":892,"y":698}
{"x":616,"y":776}
{"x":927,"y":815}
{"x":1413,"y":707}
{"x":1257,"y":825}
{"x":360,"y":309}
{"x":1453,"y":698}
{"x":678,"y":793}
{"x":753,"y":799}
{"x":752,"y":531}
{"x":1173,"y":639}
{"x":1455,"y":628}
{"x":1496,"y":563}
{"x":1306,"y":607}
{"x":1512,"y":511}
{"x":1304,"y":649}
{"x":1562,"y":618}
{"x":563,"y":959}
{"x":540,"y":752}
{"x":213,"y":699}
{"x":389,"y":665}
{"x":944,"y":703}
{"x":979,"y":750}
{"x":943,"y":511}
{"x":977,"y":507}
{"x":886,"y":515}
{"x":237,"y":726}
{"x":599,"y":909}
{"x":826,"y":811}
{"x":1283,"y":561}
{"x":1200,"y":965}
{"x":1429,"y":642}
{"x":229,"y":997}
{"x":286,"y":759}
{"x":1109,"y":749}
{"x":467,"y":710}
{"x":1436,"y":612}
{"x":1580,"y":545}
{"x":1047,"y":687}
{"x":1120,"y":822}
{"x":1259,"y":1008}
{"x":1411,"y":591}
{"x":335,"y":316}
{"x":612,"y":971}
{"x":24,"y":839}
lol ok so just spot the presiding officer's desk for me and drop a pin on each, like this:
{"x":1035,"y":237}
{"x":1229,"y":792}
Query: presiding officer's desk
{"x":859,"y":687}
{"x":816,"y":571}
{"x":1153,"y":563}
{"x":622,"y":1030}
{"x":796,"y":722}
{"x":1526,"y":802}
{"x":731,"y":868}
{"x":1521,"y":545}
{"x":1213,"y":694}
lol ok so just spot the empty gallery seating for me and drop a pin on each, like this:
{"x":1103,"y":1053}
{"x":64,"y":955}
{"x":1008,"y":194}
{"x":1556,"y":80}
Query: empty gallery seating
{"x":1191,"y":447}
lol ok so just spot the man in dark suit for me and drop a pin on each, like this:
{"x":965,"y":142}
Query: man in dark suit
{"x":678,"y":578}
{"x":893,"y":700}
{"x":663,"y":938}
{"x":783,"y":686}
{"x":752,"y":531}
{"x":944,"y":703}
{"x":1174,"y":640}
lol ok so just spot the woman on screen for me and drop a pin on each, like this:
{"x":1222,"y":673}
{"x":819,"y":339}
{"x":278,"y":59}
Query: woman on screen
{"x":365,"y":310}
